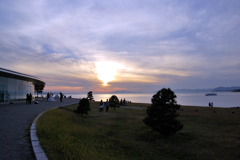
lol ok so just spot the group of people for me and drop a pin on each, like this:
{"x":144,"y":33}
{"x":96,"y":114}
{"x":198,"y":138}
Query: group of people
{"x":210,"y":104}
{"x":101,"y":105}
{"x":124,"y":102}
{"x":50,"y":96}
{"x":28,"y":98}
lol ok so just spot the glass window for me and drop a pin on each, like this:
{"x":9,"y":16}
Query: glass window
{"x":14,"y":89}
{"x":3,"y":80}
{"x":12,"y":84}
{"x":15,"y":93}
{"x":1,"y":86}
{"x":20,"y":87}
{"x":1,"y":95}
{"x":25,"y":83}
{"x":20,"y":95}
{"x":8,"y":96}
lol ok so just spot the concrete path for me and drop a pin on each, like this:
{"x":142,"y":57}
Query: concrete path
{"x":15,"y":123}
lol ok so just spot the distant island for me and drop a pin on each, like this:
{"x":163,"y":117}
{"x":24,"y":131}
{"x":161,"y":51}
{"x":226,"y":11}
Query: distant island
{"x":218,"y":89}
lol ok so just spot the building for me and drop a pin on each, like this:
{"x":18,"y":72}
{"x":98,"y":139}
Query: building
{"x":14,"y":85}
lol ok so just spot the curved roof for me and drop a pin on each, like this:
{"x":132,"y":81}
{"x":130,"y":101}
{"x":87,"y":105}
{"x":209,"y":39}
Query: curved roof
{"x":38,"y":83}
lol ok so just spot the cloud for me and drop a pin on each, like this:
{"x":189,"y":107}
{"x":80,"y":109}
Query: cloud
{"x":159,"y":43}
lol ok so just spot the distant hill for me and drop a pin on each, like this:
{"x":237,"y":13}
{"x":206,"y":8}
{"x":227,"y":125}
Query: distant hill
{"x":218,"y":89}
{"x":222,"y":89}
{"x":193,"y":90}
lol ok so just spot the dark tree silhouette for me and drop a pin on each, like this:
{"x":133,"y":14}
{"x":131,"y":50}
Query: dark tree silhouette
{"x":162,"y":113}
{"x":83,"y":107}
{"x":114,"y":102}
{"x":90,"y":96}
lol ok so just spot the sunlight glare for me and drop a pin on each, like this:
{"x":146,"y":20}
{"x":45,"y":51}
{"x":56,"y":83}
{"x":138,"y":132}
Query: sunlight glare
{"x":106,"y":70}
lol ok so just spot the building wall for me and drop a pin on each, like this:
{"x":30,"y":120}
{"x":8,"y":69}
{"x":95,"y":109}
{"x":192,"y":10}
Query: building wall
{"x":14,"y":89}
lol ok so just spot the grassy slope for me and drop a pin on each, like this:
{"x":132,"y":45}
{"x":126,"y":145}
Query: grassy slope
{"x":121,"y":134}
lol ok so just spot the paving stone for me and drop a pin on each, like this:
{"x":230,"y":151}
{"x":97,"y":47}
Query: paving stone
{"x":16,"y":154}
{"x":21,"y":142}
{"x":28,"y":153}
{"x":41,"y":156}
{"x":38,"y":149}
{"x":27,"y":147}
{"x":8,"y":147}
{"x":35,"y":143}
{"x":34,"y":138}
{"x":16,"y":158}
{"x":33,"y":134}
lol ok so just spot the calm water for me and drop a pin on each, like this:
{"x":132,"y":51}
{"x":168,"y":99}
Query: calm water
{"x":223,"y":99}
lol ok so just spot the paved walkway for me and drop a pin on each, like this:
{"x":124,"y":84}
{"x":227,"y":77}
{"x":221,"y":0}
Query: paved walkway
{"x":15,"y":123}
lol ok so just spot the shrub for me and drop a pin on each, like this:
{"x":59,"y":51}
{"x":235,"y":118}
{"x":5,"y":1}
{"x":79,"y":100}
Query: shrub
{"x":114,"y":102}
{"x":162,"y":113}
{"x":83,"y":107}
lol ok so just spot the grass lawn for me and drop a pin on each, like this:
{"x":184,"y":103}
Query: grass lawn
{"x":121,"y":134}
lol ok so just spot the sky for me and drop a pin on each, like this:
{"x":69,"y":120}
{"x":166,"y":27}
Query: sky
{"x":132,"y":45}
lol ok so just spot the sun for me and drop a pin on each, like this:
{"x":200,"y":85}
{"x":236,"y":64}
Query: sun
{"x":106,"y":70}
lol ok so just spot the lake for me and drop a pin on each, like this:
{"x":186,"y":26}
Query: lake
{"x":223,"y":99}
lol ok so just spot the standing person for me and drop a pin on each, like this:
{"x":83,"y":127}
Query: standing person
{"x":101,"y":106}
{"x":212,"y":104}
{"x":27,"y":98}
{"x":48,"y":96}
{"x":30,"y":98}
{"x":107,"y":105}
{"x":121,"y":102}
{"x":124,"y":102}
{"x":209,"y":104}
{"x":61,"y":96}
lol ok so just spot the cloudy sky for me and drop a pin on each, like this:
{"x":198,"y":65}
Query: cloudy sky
{"x":140,"y":46}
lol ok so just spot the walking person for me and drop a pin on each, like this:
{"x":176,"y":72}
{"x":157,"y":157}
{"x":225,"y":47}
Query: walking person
{"x":101,"y":106}
{"x":27,"y":98}
{"x":61,"y":96}
{"x":107,"y":105}
{"x":48,"y":95}
{"x":124,"y":102}
{"x":30,"y":98}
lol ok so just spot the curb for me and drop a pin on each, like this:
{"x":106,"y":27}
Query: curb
{"x":37,"y":148}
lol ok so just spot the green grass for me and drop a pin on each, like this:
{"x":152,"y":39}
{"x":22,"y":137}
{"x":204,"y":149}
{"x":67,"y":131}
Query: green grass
{"x":121,"y":134}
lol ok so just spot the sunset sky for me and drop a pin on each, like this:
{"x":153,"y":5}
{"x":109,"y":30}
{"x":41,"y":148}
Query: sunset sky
{"x":139,"y":46}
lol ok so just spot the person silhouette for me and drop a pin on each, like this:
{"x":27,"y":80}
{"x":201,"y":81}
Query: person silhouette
{"x":61,"y":96}
{"x":30,"y":98}
{"x":101,"y":106}
{"x":27,"y":98}
{"x":107,"y":105}
{"x":48,"y":96}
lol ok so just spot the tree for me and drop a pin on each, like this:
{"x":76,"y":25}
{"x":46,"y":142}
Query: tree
{"x":162,"y":113}
{"x":90,"y":96}
{"x":114,"y":102}
{"x":83,"y":107}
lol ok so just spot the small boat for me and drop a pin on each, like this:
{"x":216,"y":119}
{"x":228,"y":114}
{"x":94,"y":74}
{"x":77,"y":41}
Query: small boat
{"x":211,"y":94}
{"x":56,"y":96}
